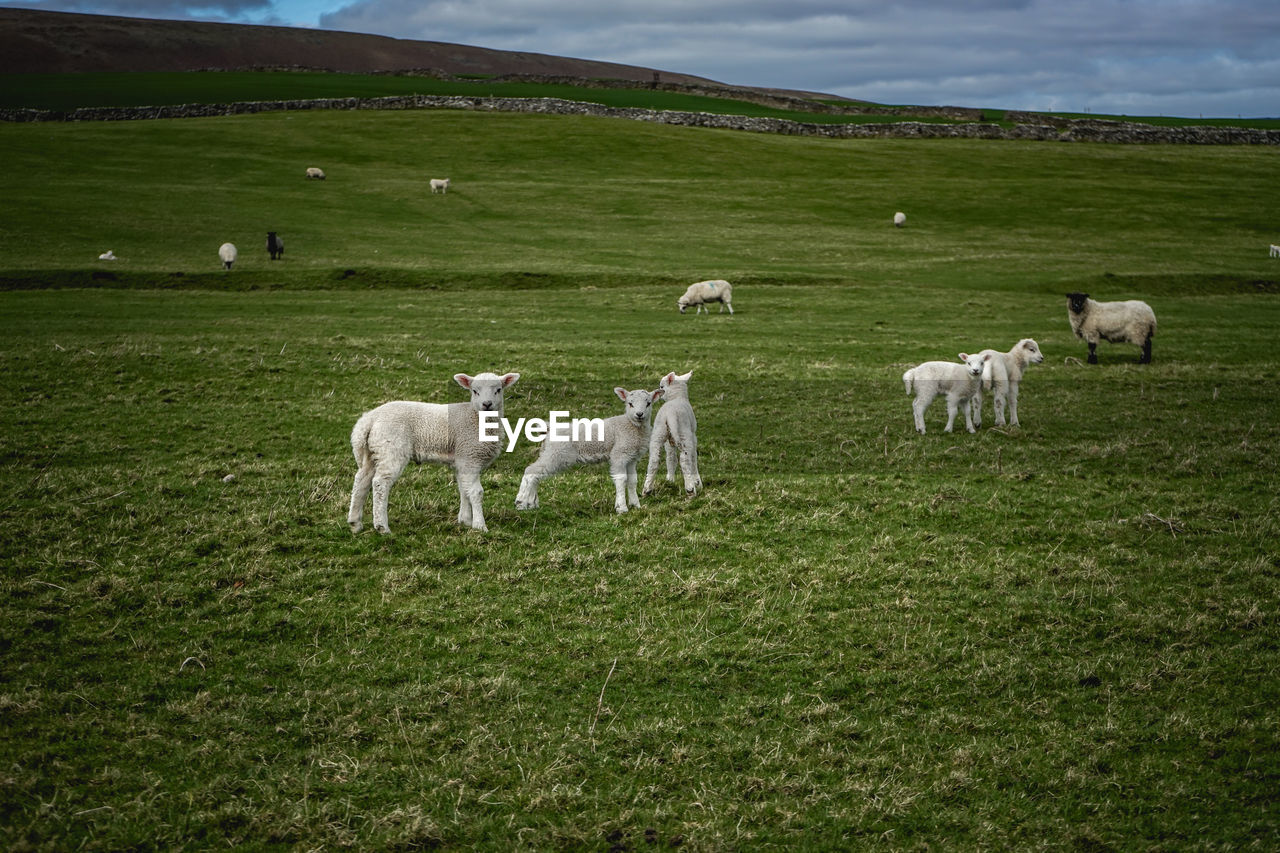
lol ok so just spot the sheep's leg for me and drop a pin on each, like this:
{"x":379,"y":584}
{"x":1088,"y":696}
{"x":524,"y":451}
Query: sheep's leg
{"x":471,"y":499}
{"x":656,"y":444}
{"x":968,"y":417}
{"x":975,"y":406}
{"x":925,"y":392}
{"x":1146,"y":351}
{"x":632,"y":498}
{"x":360,"y":492}
{"x":1013,"y":404}
{"x":385,"y":475}
{"x":689,"y":467}
{"x":1001,"y":400}
{"x":546,"y":465}
{"x":729,"y":305}
{"x":1093,"y":355}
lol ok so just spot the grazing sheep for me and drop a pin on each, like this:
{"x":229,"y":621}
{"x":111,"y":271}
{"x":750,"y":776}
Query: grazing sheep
{"x":108,"y":255}
{"x":440,"y":185}
{"x":958,"y":381}
{"x":386,"y":438}
{"x":275,"y":245}
{"x":227,"y":251}
{"x":1275,"y":251}
{"x":676,"y":429}
{"x":625,"y":439}
{"x":1003,"y":373}
{"x":315,"y":174}
{"x":1131,"y":322}
{"x":899,"y":219}
{"x":702,"y":292}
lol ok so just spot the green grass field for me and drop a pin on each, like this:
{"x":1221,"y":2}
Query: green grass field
{"x":1062,"y":636}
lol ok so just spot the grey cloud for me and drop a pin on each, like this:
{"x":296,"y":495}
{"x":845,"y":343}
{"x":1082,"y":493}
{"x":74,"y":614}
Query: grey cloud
{"x":153,"y":8}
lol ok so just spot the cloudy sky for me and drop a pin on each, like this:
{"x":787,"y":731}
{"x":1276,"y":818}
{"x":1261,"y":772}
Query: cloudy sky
{"x":1137,"y":57}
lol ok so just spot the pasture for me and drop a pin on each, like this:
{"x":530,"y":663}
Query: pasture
{"x":1062,"y":636}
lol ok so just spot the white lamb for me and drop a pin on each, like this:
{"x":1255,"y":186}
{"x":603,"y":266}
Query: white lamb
{"x":315,"y":174}
{"x":1131,"y":322}
{"x":1002,"y":375}
{"x":676,"y":429}
{"x":108,"y":255}
{"x":702,"y":292}
{"x":626,"y":437}
{"x":1275,"y":251}
{"x":958,"y":382}
{"x":440,"y":185}
{"x":227,"y":252}
{"x":899,"y":219}
{"x":386,"y":438}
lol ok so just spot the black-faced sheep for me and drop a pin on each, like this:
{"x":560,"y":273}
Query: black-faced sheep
{"x":275,"y":245}
{"x":1131,"y":321}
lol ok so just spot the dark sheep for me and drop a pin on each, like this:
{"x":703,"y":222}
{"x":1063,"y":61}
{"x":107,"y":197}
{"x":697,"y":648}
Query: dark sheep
{"x":275,"y":245}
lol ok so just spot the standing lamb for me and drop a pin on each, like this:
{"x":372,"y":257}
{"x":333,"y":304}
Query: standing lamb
{"x":1003,"y":373}
{"x":275,"y":245}
{"x":315,"y":174}
{"x":899,"y":219}
{"x":1275,"y":251}
{"x":702,"y":292}
{"x":227,"y":251}
{"x":1131,"y":322}
{"x":958,"y":382}
{"x":676,"y":429}
{"x":386,"y":438}
{"x":625,"y":439}
{"x":440,"y":185}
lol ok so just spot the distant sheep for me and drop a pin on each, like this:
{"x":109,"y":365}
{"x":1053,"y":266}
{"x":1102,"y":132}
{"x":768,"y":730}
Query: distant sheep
{"x":315,"y":174}
{"x":675,"y":430}
{"x":109,"y":255}
{"x":958,"y":382}
{"x":1275,"y":251}
{"x":1002,"y":375}
{"x":899,"y":219}
{"x":626,"y":438}
{"x":275,"y":245}
{"x":227,"y":251}
{"x":703,"y":292}
{"x":440,"y":185}
{"x":385,"y":439}
{"x":1131,"y":321}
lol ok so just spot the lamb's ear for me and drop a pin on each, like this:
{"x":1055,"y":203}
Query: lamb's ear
{"x":462,"y":379}
{"x":685,"y":377}
{"x":656,"y":395}
{"x":669,"y":378}
{"x":510,"y":379}
{"x":964,"y":356}
{"x":622,"y":394}
{"x":987,"y":357}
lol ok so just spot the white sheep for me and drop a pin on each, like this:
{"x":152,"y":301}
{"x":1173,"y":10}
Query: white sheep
{"x":899,"y":219}
{"x":108,"y":255}
{"x":440,"y":185}
{"x":1002,"y":375}
{"x":625,"y":439}
{"x":315,"y":174}
{"x":386,"y":438}
{"x":1275,"y":251}
{"x":958,"y":381}
{"x":701,"y":292}
{"x":1131,"y":321}
{"x":227,"y":251}
{"x":675,"y":429}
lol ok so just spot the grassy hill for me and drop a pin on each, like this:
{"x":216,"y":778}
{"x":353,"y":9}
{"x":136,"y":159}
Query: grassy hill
{"x":1062,"y":635}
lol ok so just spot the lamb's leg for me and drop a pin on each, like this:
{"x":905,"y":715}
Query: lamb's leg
{"x":546,"y":465}
{"x":385,"y":474}
{"x":656,"y":443}
{"x":689,"y":467}
{"x":1013,"y":404}
{"x":925,"y":392}
{"x":359,"y":492}
{"x":632,"y":498}
{"x":953,"y":406}
{"x":618,"y":473}
{"x":999,"y":403}
{"x":670,"y":448}
{"x":975,"y":406}
{"x":471,"y":499}
{"x":968,"y":417}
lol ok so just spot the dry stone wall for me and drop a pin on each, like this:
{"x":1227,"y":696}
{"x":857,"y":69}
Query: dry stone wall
{"x":1035,"y":127}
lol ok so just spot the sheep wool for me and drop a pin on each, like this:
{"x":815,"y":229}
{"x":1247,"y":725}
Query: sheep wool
{"x":703,"y":292}
{"x":315,"y":174}
{"x":625,"y":439}
{"x":387,"y":438}
{"x":958,"y":382}
{"x":899,"y":219}
{"x":1002,"y":375}
{"x":1131,"y":322}
{"x":227,"y":252}
{"x":675,"y":429}
{"x":440,"y":185}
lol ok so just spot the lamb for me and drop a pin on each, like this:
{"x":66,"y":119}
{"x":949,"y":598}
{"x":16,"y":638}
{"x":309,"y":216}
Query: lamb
{"x":1275,"y":251}
{"x":1131,"y":322}
{"x":899,"y":219}
{"x":108,"y":255}
{"x":386,"y":438}
{"x":676,"y":429}
{"x":275,"y":245}
{"x":1003,"y":373}
{"x":315,"y":174}
{"x":702,"y":292}
{"x":958,"y":381}
{"x":625,"y":439}
{"x":227,"y":251}
{"x":440,"y":185}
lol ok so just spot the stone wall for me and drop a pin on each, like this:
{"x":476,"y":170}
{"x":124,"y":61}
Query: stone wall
{"x":1037,"y":128}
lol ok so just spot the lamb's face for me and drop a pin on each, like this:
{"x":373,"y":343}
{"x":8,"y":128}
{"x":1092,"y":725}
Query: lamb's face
{"x":973,"y":363}
{"x":638,"y":403}
{"x":1076,"y":301}
{"x":1032,"y":349}
{"x":486,"y":389}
